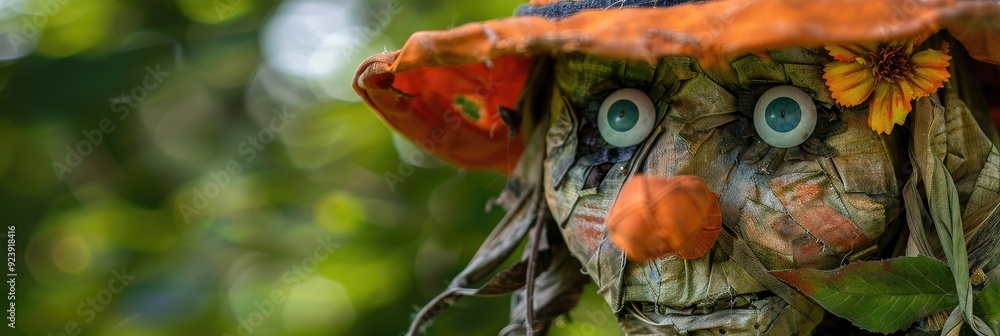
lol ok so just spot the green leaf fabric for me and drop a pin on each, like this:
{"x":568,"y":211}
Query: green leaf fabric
{"x":987,"y":306}
{"x":882,"y":296}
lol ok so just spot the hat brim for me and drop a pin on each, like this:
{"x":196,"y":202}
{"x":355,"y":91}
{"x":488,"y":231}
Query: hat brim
{"x":414,"y":90}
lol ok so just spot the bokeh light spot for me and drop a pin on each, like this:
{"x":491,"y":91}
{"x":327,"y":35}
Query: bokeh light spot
{"x":215,"y":11}
{"x":339,"y":213}
{"x":71,"y":254}
{"x":318,"y":306}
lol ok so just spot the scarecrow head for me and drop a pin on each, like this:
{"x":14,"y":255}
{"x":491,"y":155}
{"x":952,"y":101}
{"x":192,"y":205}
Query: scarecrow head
{"x":725,"y":166}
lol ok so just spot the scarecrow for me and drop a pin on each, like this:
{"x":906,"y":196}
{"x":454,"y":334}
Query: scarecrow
{"x":723,"y":167}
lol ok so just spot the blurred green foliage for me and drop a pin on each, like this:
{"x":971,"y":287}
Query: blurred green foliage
{"x":183,"y":218}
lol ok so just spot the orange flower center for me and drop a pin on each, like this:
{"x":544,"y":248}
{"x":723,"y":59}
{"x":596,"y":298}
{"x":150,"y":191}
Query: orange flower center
{"x":891,"y":63}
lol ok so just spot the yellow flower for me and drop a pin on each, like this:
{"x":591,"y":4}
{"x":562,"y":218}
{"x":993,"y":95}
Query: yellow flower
{"x":890,"y":73}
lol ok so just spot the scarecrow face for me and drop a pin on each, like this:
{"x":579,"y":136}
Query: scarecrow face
{"x":811,"y":186}
{"x":686,"y":191}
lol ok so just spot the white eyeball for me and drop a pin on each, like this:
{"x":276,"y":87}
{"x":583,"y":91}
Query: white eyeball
{"x":626,"y":118}
{"x":785,"y":116}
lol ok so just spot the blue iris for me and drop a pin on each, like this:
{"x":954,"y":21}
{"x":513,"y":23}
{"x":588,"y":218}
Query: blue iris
{"x":783,"y":114}
{"x":623,"y":115}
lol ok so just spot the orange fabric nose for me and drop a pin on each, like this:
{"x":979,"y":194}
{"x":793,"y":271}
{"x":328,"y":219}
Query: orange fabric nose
{"x":656,"y":216}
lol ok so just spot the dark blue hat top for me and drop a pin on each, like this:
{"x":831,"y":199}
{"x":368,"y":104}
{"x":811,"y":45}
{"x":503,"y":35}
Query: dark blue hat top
{"x":567,"y":8}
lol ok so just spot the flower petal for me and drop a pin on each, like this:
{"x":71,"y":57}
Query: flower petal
{"x":850,"y":52}
{"x":908,"y":89}
{"x":906,"y":44}
{"x":930,"y":58}
{"x":890,"y":104}
{"x":850,"y":83}
{"x":929,"y":72}
{"x":841,"y":53}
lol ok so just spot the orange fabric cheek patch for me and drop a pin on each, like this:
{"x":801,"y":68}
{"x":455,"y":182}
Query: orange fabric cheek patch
{"x":655,"y":217}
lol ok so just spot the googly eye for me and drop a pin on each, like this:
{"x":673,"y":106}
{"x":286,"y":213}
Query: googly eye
{"x":785,"y":116}
{"x":626,"y":118}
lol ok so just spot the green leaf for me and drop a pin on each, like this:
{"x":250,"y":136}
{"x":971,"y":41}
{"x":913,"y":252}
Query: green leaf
{"x":987,"y":306}
{"x":882,"y":296}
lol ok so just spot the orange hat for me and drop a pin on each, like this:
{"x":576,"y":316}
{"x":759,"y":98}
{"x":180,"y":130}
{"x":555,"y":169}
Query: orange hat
{"x":445,"y":90}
